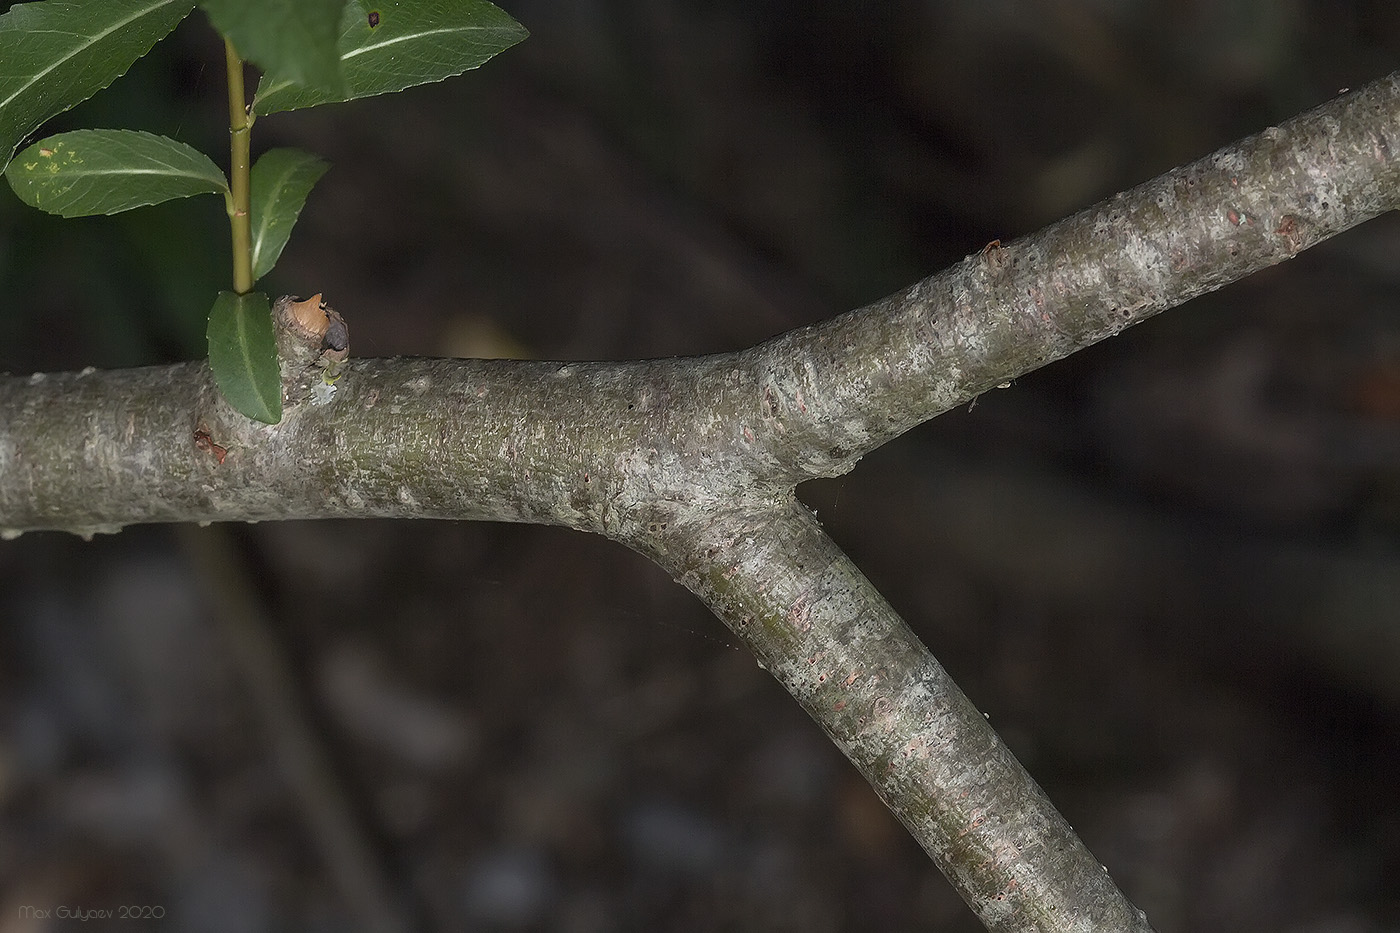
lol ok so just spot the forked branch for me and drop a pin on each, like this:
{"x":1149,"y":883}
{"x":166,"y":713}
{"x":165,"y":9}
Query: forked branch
{"x":693,"y":462}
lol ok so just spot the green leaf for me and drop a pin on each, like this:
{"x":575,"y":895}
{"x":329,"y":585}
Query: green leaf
{"x":243,"y":355}
{"x":295,"y":39}
{"x":282,"y":180}
{"x":390,"y":46}
{"x":55,"y":55}
{"x":89,"y":172}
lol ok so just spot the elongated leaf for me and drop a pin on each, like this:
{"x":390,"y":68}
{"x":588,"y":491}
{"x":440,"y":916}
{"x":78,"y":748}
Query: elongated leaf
{"x":282,"y":180}
{"x":389,"y":46}
{"x":297,"y":39}
{"x":54,"y":55}
{"x":88,"y":172}
{"x":243,"y":354}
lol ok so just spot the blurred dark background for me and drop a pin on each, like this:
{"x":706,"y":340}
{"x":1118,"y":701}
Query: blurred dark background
{"x":1167,"y":567}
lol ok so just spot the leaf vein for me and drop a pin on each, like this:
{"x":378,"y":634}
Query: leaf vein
{"x":408,"y":37}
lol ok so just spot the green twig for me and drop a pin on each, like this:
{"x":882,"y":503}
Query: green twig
{"x":240,"y":125}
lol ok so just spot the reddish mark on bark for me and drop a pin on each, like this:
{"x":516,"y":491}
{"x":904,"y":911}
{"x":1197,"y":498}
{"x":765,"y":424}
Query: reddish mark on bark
{"x":748,"y":435}
{"x":800,"y":615}
{"x":917,"y":748}
{"x":849,"y":680}
{"x":840,"y":705}
{"x":977,"y":820}
{"x":1233,"y":216}
{"x":801,"y":404}
{"x":1288,"y":229}
{"x":204,"y":442}
{"x":992,"y":254}
{"x":1038,"y":297}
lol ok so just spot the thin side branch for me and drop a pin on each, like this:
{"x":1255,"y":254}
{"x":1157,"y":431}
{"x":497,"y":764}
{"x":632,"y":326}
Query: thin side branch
{"x":822,"y":629}
{"x":847,"y":386}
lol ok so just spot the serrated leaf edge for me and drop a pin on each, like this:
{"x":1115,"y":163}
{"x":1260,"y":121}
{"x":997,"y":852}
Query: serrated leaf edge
{"x":214,"y":176}
{"x":275,"y":87}
{"x":93,"y":41}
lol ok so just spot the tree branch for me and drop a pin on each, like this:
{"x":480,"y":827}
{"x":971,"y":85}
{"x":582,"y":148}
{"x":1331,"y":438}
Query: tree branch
{"x":693,"y":462}
{"x":828,"y":636}
{"x":845,"y":387}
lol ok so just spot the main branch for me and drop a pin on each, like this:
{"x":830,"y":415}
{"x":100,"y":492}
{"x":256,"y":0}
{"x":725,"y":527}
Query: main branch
{"x":693,"y":462}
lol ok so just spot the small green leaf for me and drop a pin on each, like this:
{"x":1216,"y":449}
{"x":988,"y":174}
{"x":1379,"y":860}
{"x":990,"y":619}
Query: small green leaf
{"x":282,"y":180}
{"x":387,"y":47}
{"x":88,"y":172}
{"x":243,"y":355}
{"x":56,"y":55}
{"x":296,"y":39}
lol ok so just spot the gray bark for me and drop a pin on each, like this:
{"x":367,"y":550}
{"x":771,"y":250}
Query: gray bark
{"x":693,"y":462}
